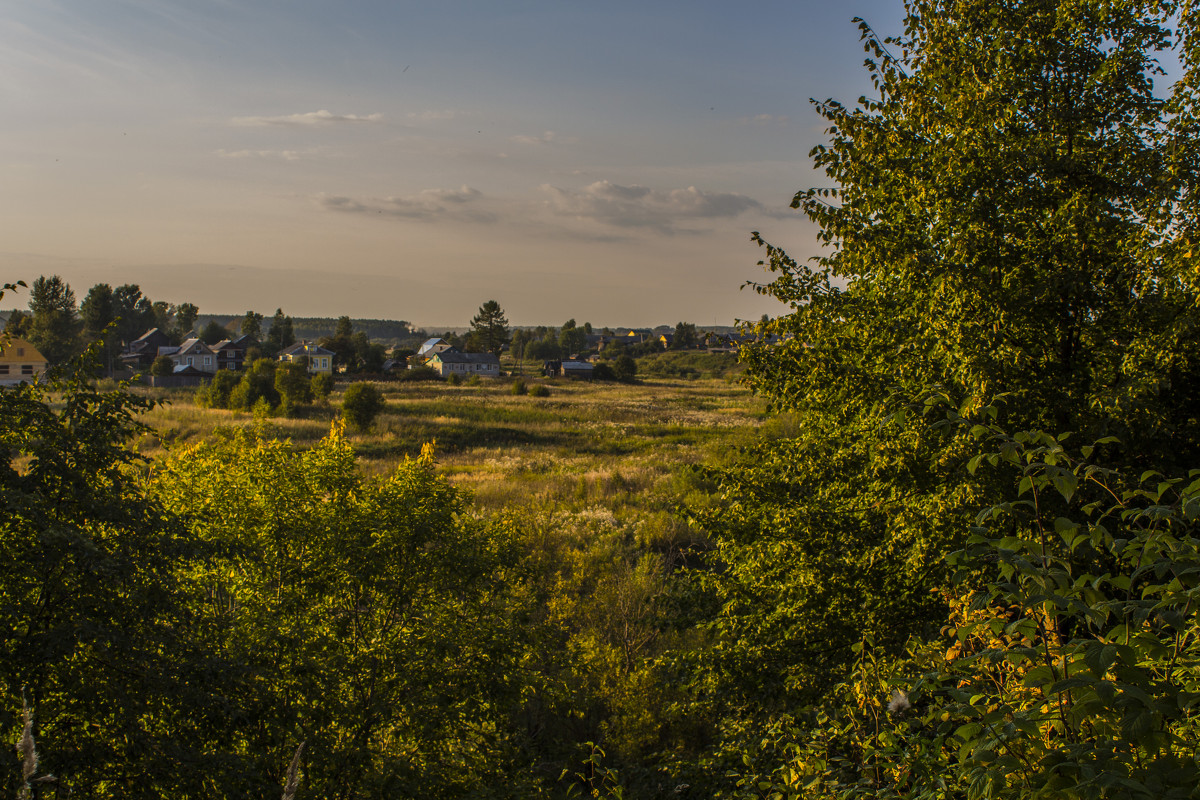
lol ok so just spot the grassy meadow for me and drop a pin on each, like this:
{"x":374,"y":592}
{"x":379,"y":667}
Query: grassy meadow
{"x":626,"y":451}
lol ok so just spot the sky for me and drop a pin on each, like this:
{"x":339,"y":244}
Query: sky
{"x":602,"y":161}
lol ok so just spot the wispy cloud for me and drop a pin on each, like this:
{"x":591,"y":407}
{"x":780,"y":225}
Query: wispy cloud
{"x":441,"y":115}
{"x":321,"y":117}
{"x":549,"y":137}
{"x":431,"y":204}
{"x":286,"y":155}
{"x":765,"y":119}
{"x":643,"y":207}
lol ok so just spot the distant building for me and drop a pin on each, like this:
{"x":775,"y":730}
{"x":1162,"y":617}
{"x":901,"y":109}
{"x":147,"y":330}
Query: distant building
{"x":451,"y":362}
{"x":192,"y":353}
{"x":142,"y":351}
{"x":231,"y":353}
{"x":20,"y":362}
{"x":320,"y":360}
{"x":431,"y":347}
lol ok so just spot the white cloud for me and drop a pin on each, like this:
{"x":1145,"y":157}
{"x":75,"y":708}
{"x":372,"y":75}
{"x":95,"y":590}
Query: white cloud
{"x":643,"y":207}
{"x":321,"y":117}
{"x":431,"y":204}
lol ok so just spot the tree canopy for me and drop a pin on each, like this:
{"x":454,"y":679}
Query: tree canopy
{"x":1008,"y":227}
{"x":489,"y":328}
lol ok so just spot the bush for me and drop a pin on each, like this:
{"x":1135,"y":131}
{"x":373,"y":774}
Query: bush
{"x":603,"y":372}
{"x":474,"y":380}
{"x":294,"y":386}
{"x":361,"y":405}
{"x":418,"y":374}
{"x":321,"y":386}
{"x":624,"y":368}
{"x":519,"y":387}
{"x":257,"y":384}
{"x":216,"y":394}
{"x":162,"y":366}
{"x":453,"y":380}
{"x":539,"y":390}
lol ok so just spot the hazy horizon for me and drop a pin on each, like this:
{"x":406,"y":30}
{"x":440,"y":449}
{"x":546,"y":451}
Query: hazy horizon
{"x":413,"y":160}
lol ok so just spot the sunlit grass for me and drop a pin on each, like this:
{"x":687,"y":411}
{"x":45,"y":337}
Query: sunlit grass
{"x":622,"y":447}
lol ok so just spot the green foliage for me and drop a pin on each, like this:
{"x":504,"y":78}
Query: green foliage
{"x":685,"y":337}
{"x":1008,"y":222}
{"x":421,"y":373}
{"x":213,"y":332}
{"x":572,"y":340}
{"x":185,"y":315}
{"x":93,"y":633}
{"x":321,"y":385}
{"x":217,"y":393}
{"x":53,"y":328}
{"x":294,"y":385}
{"x":1069,"y":666}
{"x":362,"y":402}
{"x":489,"y":328}
{"x":361,"y":615}
{"x":97,"y":313}
{"x":281,"y":333}
{"x":624,"y":367}
{"x":252,"y":324}
{"x":257,"y":385}
{"x":539,"y":390}
{"x":453,"y":379}
{"x":518,"y":387}
{"x":162,"y":365}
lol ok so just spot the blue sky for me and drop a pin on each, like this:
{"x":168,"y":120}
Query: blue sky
{"x":601,"y":161}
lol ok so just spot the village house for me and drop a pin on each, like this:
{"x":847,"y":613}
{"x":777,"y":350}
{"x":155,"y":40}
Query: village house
{"x":20,"y":362}
{"x":319,"y":360}
{"x":192,"y":353}
{"x":142,"y":351}
{"x":451,"y":362}
{"x":431,"y":347}
{"x":231,"y":353}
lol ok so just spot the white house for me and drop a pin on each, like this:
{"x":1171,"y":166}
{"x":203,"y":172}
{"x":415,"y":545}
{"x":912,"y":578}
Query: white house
{"x":451,"y":362}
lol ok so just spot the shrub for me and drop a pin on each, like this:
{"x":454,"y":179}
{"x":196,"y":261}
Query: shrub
{"x":624,"y":367}
{"x":293,"y":384}
{"x":418,"y":374}
{"x":216,"y":394}
{"x":361,"y":405}
{"x":162,"y":366}
{"x":603,"y":372}
{"x":474,"y":380}
{"x":519,"y":387}
{"x":539,"y":390}
{"x":322,"y":385}
{"x":257,"y":384}
{"x":453,"y":380}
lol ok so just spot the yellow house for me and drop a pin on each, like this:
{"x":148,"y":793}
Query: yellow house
{"x":320,"y":360}
{"x":20,"y":362}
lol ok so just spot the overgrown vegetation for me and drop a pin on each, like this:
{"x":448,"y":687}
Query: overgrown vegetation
{"x":959,"y":559}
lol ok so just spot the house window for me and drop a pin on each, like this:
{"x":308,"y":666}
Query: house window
{"x":3,"y":369}
{"x":27,"y":369}
{"x":189,"y":360}
{"x":207,"y":360}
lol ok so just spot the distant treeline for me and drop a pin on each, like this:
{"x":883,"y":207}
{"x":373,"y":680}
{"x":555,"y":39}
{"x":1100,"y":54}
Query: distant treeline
{"x":383,"y":331}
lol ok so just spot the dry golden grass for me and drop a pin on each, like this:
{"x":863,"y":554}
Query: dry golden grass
{"x":585,"y":445}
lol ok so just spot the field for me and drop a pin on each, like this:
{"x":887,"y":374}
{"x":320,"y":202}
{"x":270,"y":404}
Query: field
{"x":625,"y":451}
